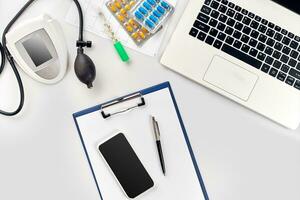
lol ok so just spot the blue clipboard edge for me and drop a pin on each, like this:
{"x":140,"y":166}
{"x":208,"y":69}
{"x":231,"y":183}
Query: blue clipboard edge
{"x":144,"y":92}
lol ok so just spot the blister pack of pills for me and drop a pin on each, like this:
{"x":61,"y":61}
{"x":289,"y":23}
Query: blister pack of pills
{"x":152,"y":13}
{"x":121,"y":11}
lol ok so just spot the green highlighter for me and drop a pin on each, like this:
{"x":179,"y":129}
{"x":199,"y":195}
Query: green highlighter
{"x":117,"y":44}
{"x":121,"y":51}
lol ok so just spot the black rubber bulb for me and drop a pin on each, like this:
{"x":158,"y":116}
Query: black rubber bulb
{"x":84,"y":68}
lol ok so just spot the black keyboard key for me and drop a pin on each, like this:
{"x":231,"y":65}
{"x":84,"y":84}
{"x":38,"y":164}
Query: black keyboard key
{"x":269,"y":60}
{"x":276,"y":54}
{"x":277,"y":28}
{"x":237,"y":44}
{"x":223,"y":18}
{"x":284,"y":58}
{"x":291,"y":35}
{"x":237,"y":8}
{"x":246,"y":30}
{"x":264,"y":22}
{"x":229,"y":30}
{"x":253,"y":52}
{"x":261,"y":56}
{"x":285,"y":68}
{"x":203,"y":17}
{"x":213,"y":32}
{"x":239,"y":26}
{"x":261,"y":46}
{"x":230,"y":12}
{"x":277,"y":64}
{"x":203,"y":27}
{"x":262,"y":28}
{"x":298,"y":66}
{"x":254,"y":34}
{"x":229,"y":40}
{"x":278,"y":46}
{"x":281,"y":76}
{"x":209,"y":40}
{"x":297,"y":38}
{"x":271,"y":25}
{"x":231,"y":5}
{"x":213,"y":22}
{"x":225,"y":2}
{"x":290,"y":80}
{"x":265,"y":68}
{"x":254,"y":24}
{"x":269,"y":50}
{"x":246,"y":20}
{"x":207,"y":2}
{"x":215,"y":14}
{"x":221,"y":36}
{"x":238,"y":16}
{"x":205,"y":9}
{"x":273,"y":72}
{"x":294,"y":54}
{"x":270,"y":32}
{"x":286,"y":41}
{"x":286,"y":50}
{"x":253,"y":42}
{"x":193,"y":32}
{"x":222,"y":8}
{"x":292,"y":62}
{"x":214,"y":5}
{"x":218,"y":44}
{"x":237,"y":35}
{"x":262,"y":38}
{"x":270,"y":42}
{"x":257,"y":18}
{"x":201,"y":36}
{"x":297,"y":85}
{"x":221,"y":26}
{"x":245,"y":48}
{"x":278,"y":37}
{"x":245,"y":38}
{"x":251,"y":15}
{"x":230,"y":22}
{"x":284,"y":32}
{"x":245,"y":12}
{"x":294,"y":44}
{"x":241,"y":56}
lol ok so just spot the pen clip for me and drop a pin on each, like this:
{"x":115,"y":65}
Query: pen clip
{"x":156,"y":128}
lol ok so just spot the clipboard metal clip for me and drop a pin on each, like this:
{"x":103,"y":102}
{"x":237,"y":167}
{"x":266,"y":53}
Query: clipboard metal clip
{"x":122,"y":100}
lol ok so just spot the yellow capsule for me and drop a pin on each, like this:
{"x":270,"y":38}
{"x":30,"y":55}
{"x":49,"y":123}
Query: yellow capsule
{"x":121,"y":18}
{"x":128,"y":27}
{"x":112,"y":7}
{"x":123,"y":11}
{"x":127,"y":7}
{"x":132,"y":3}
{"x":133,"y":23}
{"x":118,"y":4}
{"x":144,"y":30}
{"x":141,"y":34}
{"x":135,"y":35}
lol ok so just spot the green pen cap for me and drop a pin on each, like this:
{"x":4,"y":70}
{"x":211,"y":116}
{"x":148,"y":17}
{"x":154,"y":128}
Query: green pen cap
{"x":121,"y":51}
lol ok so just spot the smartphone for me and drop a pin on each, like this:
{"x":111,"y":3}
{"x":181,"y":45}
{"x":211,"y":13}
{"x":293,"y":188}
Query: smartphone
{"x":125,"y":165}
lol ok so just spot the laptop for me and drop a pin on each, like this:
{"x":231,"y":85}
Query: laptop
{"x":245,"y":50}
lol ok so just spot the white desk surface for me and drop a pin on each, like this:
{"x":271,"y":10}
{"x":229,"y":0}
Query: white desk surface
{"x":242,"y":155}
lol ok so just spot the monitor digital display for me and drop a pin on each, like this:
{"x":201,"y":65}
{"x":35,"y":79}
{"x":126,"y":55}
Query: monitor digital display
{"x":37,"y":50}
{"x":292,"y":5}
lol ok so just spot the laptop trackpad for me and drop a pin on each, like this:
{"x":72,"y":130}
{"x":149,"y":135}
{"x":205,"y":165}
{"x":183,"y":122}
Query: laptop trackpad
{"x":231,"y":78}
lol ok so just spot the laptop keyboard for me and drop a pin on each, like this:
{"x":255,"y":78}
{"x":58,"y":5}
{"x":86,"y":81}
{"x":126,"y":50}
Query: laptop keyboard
{"x":250,"y":38}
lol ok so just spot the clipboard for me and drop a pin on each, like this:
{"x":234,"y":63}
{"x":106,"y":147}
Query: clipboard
{"x":131,"y":115}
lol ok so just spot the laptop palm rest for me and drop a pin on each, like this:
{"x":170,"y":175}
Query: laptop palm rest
{"x":230,"y":78}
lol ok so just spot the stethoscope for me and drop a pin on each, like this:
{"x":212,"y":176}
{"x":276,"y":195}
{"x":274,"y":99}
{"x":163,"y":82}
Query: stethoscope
{"x":84,"y":67}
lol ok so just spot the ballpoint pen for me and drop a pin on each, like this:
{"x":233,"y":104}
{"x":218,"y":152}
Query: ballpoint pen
{"x":158,"y":144}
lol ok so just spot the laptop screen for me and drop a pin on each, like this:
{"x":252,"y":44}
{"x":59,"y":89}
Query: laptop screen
{"x":292,"y":5}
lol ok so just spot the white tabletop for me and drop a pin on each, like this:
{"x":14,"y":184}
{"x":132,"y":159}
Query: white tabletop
{"x":241,"y":154}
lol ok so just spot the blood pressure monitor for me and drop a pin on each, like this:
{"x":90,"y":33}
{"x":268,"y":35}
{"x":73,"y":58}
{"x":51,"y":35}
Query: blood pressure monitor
{"x":39,"y":48}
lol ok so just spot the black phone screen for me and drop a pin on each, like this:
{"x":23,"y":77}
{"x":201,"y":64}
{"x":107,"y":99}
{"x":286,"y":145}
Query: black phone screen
{"x":126,"y":166}
{"x":292,"y":5}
